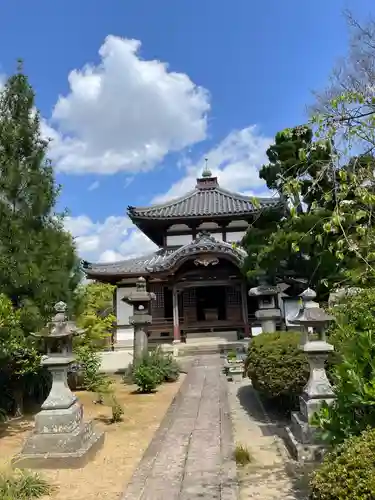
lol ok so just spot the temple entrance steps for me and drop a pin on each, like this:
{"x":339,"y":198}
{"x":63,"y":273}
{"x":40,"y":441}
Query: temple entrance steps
{"x":211,"y":337}
{"x":117,"y":361}
{"x":206,"y":346}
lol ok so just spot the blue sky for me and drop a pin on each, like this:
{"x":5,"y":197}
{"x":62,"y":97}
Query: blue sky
{"x":136,"y":93}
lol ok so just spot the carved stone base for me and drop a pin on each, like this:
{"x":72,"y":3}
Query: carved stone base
{"x":62,"y":450}
{"x":303,"y":452}
{"x":303,"y":440}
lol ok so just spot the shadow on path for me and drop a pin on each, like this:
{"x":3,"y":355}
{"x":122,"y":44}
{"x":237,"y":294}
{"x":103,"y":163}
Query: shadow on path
{"x":272,"y":422}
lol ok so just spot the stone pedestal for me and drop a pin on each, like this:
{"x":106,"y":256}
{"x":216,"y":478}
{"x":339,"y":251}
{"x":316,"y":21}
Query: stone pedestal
{"x":61,"y":438}
{"x":140,"y":343}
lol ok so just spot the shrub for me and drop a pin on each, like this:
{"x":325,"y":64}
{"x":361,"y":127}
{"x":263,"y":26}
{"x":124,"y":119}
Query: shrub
{"x":166,"y":364}
{"x":354,"y":407}
{"x":277,"y":367}
{"x":242,"y":455}
{"x":232,"y":355}
{"x":354,"y":313}
{"x":87,"y":367}
{"x":147,"y":377}
{"x":163,"y":363}
{"x":21,"y":485}
{"x":348,"y":472}
{"x":117,"y":410}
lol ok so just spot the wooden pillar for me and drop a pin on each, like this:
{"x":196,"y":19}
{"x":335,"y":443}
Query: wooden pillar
{"x":176,"y":321}
{"x":245,"y":314}
{"x":114,"y":326}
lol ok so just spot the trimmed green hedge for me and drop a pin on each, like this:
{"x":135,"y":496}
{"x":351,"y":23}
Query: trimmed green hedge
{"x":277,"y":367}
{"x":348,"y":473}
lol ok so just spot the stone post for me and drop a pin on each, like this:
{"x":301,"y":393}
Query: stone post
{"x":140,"y":299}
{"x":268,"y":313}
{"x":61,"y":438}
{"x":302,"y":437}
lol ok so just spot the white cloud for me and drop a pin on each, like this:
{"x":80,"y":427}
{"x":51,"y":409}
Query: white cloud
{"x":114,"y":239}
{"x":235,"y":161}
{"x":124,"y":114}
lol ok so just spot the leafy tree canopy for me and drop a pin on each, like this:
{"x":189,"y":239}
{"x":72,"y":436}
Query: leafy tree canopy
{"x":308,"y":238}
{"x":38,"y":262}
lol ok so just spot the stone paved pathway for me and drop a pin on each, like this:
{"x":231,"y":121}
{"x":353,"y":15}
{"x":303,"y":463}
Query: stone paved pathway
{"x":190,"y":457}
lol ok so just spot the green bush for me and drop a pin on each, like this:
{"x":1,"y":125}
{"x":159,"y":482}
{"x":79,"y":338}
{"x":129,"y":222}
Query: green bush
{"x":21,"y":485}
{"x":165,"y":363}
{"x":354,"y":407}
{"x":232,"y":355}
{"x":146,"y":377}
{"x":277,"y":367}
{"x":355,"y":313}
{"x":117,"y":410}
{"x":88,"y":376}
{"x":348,"y":472}
{"x":153,"y":369}
{"x":242,"y":455}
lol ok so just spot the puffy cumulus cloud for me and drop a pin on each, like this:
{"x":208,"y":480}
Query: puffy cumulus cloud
{"x":114,"y":239}
{"x":235,"y":161}
{"x":124,"y":114}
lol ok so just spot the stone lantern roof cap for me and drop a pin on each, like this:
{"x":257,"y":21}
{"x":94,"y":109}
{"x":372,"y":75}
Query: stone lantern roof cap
{"x":59,"y":326}
{"x":140,"y":294}
{"x":308,"y":294}
{"x":310,"y":314}
{"x":262,"y":290}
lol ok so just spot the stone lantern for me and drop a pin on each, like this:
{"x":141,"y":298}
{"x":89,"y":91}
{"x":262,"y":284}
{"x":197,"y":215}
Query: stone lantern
{"x":61,"y":439}
{"x":318,"y":390}
{"x":141,"y":301}
{"x":268,"y":313}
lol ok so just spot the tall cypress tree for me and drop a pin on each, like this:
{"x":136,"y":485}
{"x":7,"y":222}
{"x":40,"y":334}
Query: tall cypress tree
{"x":38,"y":261}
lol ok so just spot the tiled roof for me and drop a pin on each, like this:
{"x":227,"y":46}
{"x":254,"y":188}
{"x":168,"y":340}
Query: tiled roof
{"x":207,"y":199}
{"x":137,"y":265}
{"x":165,"y":259}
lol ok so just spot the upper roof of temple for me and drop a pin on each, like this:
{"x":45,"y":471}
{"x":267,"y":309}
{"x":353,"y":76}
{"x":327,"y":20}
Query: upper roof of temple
{"x":207,"y":200}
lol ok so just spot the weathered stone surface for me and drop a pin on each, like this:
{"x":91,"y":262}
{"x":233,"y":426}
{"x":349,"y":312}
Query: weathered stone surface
{"x":191,"y":455}
{"x":61,"y":438}
{"x":83,"y":446}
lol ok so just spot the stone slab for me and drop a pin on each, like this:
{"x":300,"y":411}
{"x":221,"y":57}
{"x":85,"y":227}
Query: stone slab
{"x":73,"y":460}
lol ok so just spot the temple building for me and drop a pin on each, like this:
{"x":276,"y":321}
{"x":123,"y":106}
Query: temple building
{"x":195,"y":274}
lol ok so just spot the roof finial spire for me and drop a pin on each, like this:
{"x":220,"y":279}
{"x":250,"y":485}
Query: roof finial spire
{"x":206,"y":171}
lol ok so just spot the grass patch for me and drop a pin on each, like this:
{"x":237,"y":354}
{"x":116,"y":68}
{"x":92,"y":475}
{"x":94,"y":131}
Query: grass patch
{"x":22,"y":485}
{"x":242,"y":455}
